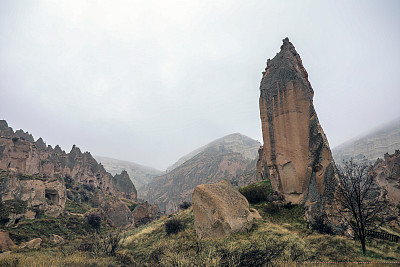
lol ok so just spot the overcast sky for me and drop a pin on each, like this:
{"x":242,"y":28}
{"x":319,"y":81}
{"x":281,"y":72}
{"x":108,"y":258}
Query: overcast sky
{"x":149,"y":81}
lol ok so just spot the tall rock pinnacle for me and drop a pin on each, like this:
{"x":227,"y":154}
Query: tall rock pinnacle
{"x":296,"y":156}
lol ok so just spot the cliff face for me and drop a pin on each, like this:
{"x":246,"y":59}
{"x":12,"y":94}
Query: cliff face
{"x":296,"y":156}
{"x":33,"y":175}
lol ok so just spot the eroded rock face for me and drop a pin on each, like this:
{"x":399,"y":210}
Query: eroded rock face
{"x":387,"y":173}
{"x":20,"y":154}
{"x":145,"y":212}
{"x":220,"y":210}
{"x":296,"y":156}
{"x":115,"y":211}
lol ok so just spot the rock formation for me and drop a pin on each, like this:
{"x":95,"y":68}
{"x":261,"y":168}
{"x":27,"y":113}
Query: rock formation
{"x":220,"y":210}
{"x":145,"y":212}
{"x":387,"y":173}
{"x":117,"y":213}
{"x":295,"y":156}
{"x":5,"y":241}
{"x":33,"y":178}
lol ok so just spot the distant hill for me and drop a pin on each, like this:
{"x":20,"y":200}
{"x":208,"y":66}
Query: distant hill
{"x":212,"y":163}
{"x":385,"y":139}
{"x":139,"y":174}
{"x":234,"y":143}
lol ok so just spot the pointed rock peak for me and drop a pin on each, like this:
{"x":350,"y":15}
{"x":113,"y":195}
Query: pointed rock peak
{"x":41,"y":144}
{"x":286,"y":44}
{"x":3,"y":124}
{"x":75,"y":150}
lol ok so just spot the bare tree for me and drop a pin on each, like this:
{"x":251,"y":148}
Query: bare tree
{"x":362,"y":204}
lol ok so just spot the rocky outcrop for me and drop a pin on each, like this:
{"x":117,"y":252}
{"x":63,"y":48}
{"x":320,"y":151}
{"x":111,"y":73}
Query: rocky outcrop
{"x":117,"y":212}
{"x":5,"y":241}
{"x":33,"y":244}
{"x":297,"y":158}
{"x":145,"y":212}
{"x":387,"y":173}
{"x":34,"y":158}
{"x":220,"y":210}
{"x":33,"y":179}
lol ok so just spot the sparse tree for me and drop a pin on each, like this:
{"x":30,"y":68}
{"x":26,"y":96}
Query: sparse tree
{"x":362,"y":204}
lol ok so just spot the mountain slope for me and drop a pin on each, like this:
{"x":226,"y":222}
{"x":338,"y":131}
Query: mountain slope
{"x":139,"y":174}
{"x":385,"y":139}
{"x":234,"y":142}
{"x":215,"y":162}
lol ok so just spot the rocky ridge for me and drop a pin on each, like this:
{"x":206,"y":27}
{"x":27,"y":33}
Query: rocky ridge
{"x":295,"y":156}
{"x":236,"y":142}
{"x":372,"y":146}
{"x":139,"y":174}
{"x":33,"y":176}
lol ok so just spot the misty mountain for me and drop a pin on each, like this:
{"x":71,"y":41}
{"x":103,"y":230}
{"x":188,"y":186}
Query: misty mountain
{"x":385,"y":139}
{"x":139,"y":174}
{"x":232,"y":157}
{"x":236,"y":142}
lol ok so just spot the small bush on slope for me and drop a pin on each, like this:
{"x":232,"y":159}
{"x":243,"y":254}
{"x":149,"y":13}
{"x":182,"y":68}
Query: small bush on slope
{"x":258,"y":192}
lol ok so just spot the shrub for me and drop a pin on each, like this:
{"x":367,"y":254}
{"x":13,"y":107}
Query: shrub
{"x":258,"y":192}
{"x":132,"y":206}
{"x":94,"y":220}
{"x":185,"y":205}
{"x":321,"y":226}
{"x":271,"y":208}
{"x":174,"y":226}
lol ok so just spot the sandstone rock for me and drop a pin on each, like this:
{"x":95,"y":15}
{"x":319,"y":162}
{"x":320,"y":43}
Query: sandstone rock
{"x":56,"y":239}
{"x":297,"y":159}
{"x":220,"y":210}
{"x":34,"y":243}
{"x":115,"y":211}
{"x":5,"y":241}
{"x":145,"y":212}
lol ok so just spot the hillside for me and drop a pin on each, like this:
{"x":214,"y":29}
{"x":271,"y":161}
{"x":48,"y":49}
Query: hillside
{"x":139,"y":174}
{"x":234,"y":142}
{"x":385,"y":139}
{"x":215,"y":162}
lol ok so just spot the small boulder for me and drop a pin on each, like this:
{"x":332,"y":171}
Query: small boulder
{"x":5,"y":241}
{"x":220,"y":210}
{"x":34,"y":243}
{"x":56,"y":239}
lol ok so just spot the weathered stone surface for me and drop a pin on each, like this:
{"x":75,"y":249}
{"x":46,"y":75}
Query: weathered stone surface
{"x":387,"y":174}
{"x":220,"y":210}
{"x":145,"y":212}
{"x":297,"y":158}
{"x":56,"y":239}
{"x":115,"y":211}
{"x":34,"y":243}
{"x":5,"y":241}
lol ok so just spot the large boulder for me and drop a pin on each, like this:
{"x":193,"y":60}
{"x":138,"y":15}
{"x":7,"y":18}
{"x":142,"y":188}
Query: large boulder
{"x":220,"y":210}
{"x":295,"y":156}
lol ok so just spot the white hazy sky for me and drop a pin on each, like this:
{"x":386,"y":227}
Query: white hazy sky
{"x":149,"y":81}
